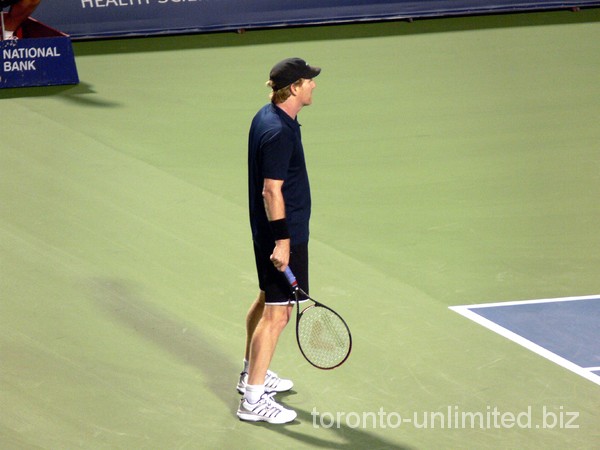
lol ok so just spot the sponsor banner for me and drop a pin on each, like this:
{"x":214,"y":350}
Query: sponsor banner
{"x":44,"y":57}
{"x":108,"y":18}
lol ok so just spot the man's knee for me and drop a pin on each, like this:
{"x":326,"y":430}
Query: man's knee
{"x":277,"y":315}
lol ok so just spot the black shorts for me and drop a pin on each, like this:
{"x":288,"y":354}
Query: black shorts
{"x":272,"y":281}
{"x":5,"y":3}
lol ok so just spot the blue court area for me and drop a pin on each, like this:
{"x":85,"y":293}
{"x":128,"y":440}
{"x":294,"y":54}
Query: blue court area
{"x":564,"y":330}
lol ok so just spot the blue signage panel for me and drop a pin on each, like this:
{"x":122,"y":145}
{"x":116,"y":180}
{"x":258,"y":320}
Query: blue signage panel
{"x":37,"y":62}
{"x":104,"y":18}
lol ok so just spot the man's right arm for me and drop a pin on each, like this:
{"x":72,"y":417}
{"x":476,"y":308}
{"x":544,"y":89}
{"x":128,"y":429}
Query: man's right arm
{"x":275,"y":208}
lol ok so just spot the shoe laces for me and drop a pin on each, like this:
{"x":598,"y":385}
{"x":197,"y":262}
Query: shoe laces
{"x":269,"y":400}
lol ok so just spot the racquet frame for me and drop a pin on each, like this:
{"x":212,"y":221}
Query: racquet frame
{"x":301,"y":295}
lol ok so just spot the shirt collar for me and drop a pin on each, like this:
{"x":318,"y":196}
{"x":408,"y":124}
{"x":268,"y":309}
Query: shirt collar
{"x":287,"y":119}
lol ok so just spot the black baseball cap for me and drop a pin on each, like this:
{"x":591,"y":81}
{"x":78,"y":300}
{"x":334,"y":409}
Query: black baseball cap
{"x":291,"y":70}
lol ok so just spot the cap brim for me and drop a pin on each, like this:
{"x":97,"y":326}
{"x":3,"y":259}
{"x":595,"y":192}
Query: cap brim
{"x":313,"y":72}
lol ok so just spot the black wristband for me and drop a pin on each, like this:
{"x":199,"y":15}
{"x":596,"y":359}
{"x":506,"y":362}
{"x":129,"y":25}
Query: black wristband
{"x":279,"y":229}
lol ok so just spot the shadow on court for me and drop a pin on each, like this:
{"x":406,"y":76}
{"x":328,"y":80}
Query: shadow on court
{"x":354,"y":437}
{"x":120,"y":300}
{"x":82,"y":94}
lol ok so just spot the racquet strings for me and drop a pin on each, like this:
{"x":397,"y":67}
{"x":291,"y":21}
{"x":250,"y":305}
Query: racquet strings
{"x":323,"y":337}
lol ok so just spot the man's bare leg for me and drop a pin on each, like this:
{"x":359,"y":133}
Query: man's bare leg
{"x":252,"y":318}
{"x":264,"y":340}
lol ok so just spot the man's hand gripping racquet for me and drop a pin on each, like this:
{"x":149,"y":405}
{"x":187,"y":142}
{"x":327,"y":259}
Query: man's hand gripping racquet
{"x":323,"y":336}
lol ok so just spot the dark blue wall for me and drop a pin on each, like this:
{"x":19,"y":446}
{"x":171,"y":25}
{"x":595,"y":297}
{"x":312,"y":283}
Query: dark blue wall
{"x":107,"y":18}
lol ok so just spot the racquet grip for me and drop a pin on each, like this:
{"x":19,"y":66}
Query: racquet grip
{"x":291,"y":278}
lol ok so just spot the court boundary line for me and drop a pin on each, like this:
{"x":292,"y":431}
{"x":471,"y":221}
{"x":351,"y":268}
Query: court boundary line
{"x":465,"y":311}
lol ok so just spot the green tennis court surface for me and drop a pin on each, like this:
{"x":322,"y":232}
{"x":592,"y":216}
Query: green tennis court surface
{"x":452,"y":162}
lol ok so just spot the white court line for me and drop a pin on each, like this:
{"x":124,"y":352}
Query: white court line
{"x":526,"y":302}
{"x":465,"y":310}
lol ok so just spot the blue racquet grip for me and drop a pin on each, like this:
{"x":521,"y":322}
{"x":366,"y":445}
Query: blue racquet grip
{"x":291,"y":278}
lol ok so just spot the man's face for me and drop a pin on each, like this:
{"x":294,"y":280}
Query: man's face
{"x":305,"y":91}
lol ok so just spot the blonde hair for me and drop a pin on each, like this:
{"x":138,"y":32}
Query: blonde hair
{"x":281,"y":95}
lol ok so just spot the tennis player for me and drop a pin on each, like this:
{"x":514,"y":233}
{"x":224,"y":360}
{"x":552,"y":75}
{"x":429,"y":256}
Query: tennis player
{"x":18,"y":12}
{"x":280,"y":205}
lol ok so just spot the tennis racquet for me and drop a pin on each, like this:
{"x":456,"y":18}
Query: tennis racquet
{"x":323,"y":336}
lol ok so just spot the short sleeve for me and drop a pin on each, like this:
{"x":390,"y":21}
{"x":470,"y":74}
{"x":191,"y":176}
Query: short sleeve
{"x":276,"y":153}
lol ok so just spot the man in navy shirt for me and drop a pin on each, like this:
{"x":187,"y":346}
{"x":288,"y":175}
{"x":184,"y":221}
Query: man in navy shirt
{"x":280,"y":204}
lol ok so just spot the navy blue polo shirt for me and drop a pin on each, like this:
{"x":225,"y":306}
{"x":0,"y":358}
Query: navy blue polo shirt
{"x":275,"y":151}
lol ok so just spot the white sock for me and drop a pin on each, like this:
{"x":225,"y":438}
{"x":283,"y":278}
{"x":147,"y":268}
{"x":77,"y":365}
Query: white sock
{"x":245,"y":365}
{"x":254,"y":392}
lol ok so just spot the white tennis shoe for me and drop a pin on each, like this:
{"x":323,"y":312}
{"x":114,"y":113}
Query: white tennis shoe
{"x":265,"y":410}
{"x":272,"y":383}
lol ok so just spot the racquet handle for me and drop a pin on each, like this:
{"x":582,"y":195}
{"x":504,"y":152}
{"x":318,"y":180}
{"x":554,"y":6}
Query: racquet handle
{"x":291,"y":278}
